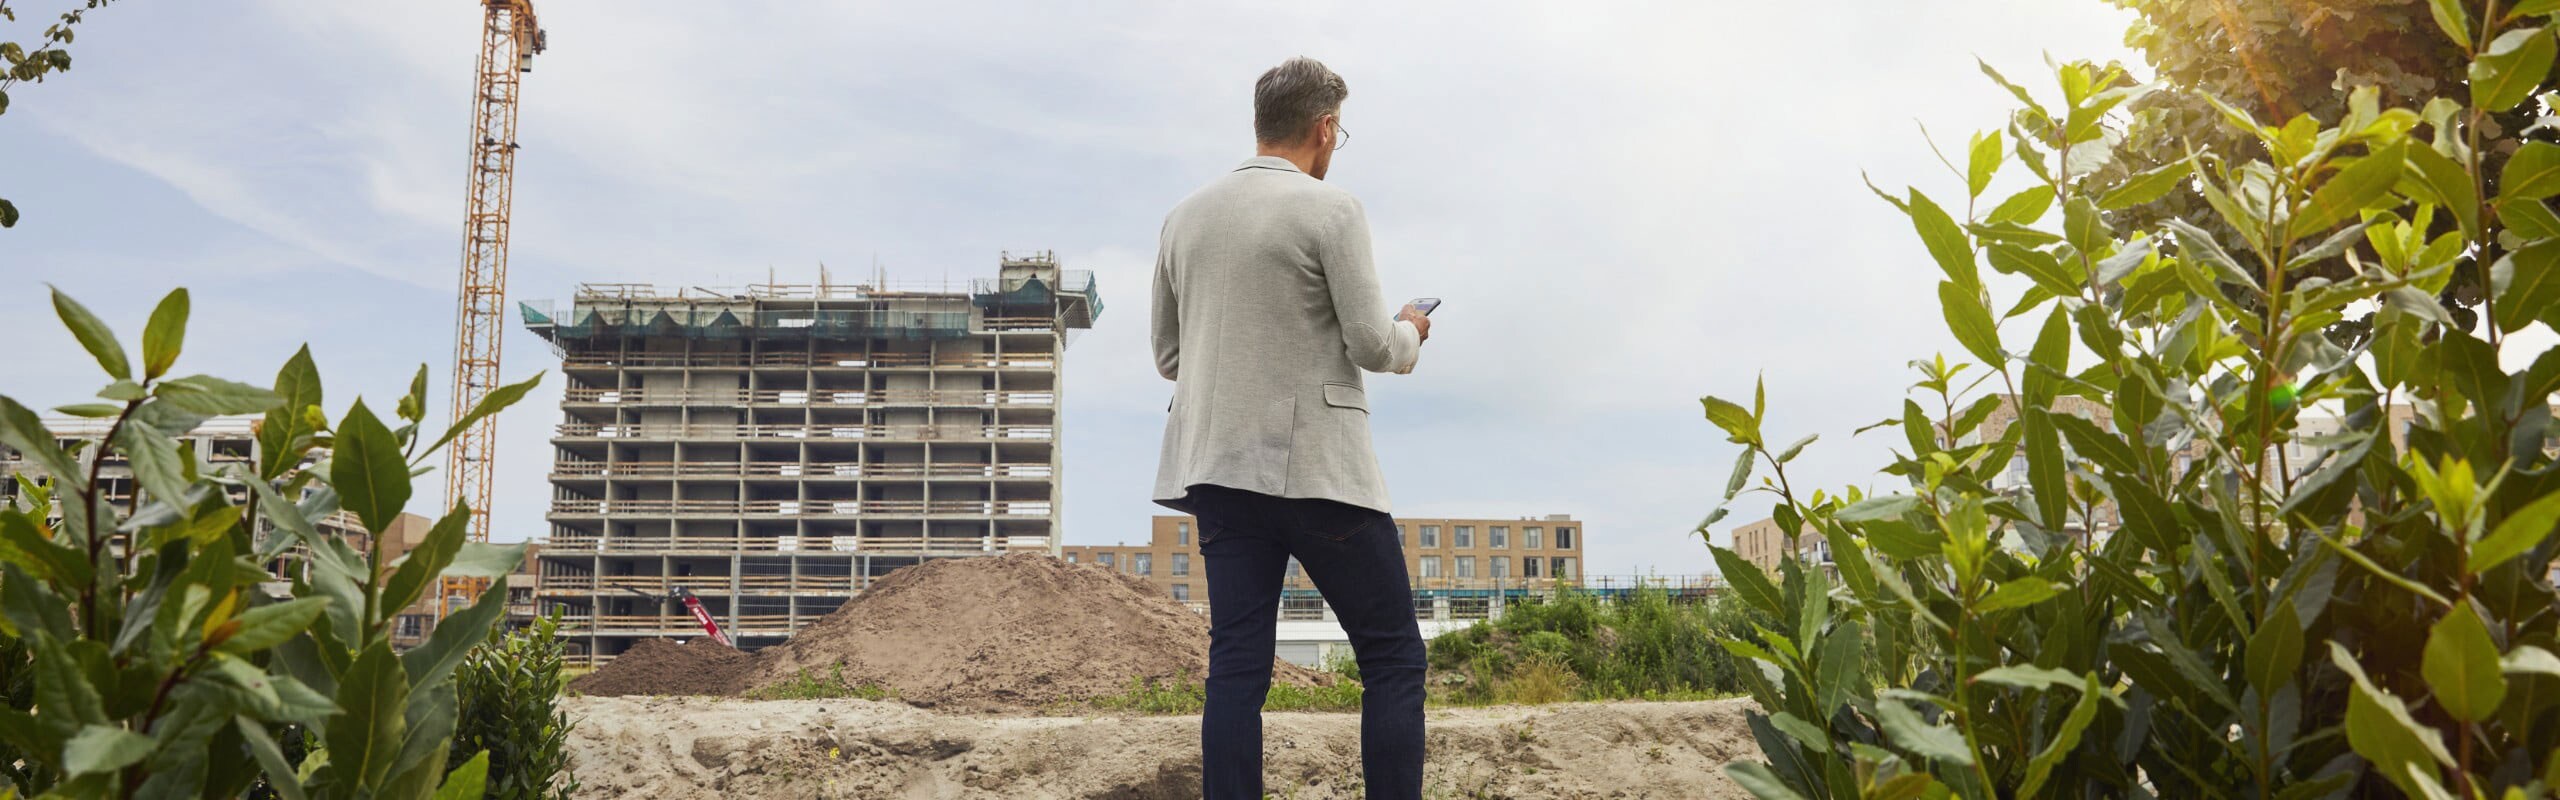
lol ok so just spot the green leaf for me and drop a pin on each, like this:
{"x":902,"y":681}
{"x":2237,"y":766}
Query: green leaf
{"x":1983,"y":162}
{"x":2448,"y":186}
{"x":2146,"y":186}
{"x":2025,"y":207}
{"x":206,"y":395}
{"x":366,"y":468}
{"x":1793,"y":450}
{"x":2532,"y":173}
{"x":497,"y":400}
{"x":1755,"y":777}
{"x":2048,"y":272}
{"x":1741,"y":475}
{"x":2275,"y":650}
{"x":2514,"y":65}
{"x":364,"y":737}
{"x":466,"y":782}
{"x":61,"y":564}
{"x":1736,"y":422}
{"x":269,"y":625}
{"x":155,"y":461}
{"x":280,"y":774}
{"x":2461,"y":666}
{"x":1748,"y":581}
{"x":8,"y":210}
{"x":93,"y":335}
{"x":285,"y":433}
{"x":2528,"y":218}
{"x":2027,"y":676}
{"x":2358,"y":185}
{"x":1879,"y":507}
{"x":91,"y":410}
{"x":162,"y":337}
{"x":103,"y":748}
{"x":1907,"y":730}
{"x":2526,"y":283}
{"x":428,"y":664}
{"x":413,"y":406}
{"x":2065,"y":740}
{"x":2530,"y":660}
{"x":2533,"y":8}
{"x":424,"y":564}
{"x":1946,"y":242}
{"x":2455,"y":22}
{"x":2519,"y":533}
{"x":2018,"y":593}
{"x":1970,"y":321}
{"x":2381,"y":729}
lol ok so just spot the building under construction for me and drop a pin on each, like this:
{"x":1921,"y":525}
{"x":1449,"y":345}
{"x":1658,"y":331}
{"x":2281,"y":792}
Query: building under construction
{"x":773,"y":449}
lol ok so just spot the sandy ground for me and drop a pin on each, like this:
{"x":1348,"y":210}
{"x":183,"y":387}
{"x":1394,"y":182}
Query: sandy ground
{"x":703,"y":747}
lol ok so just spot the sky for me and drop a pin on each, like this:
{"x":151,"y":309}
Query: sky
{"x":1625,"y":206}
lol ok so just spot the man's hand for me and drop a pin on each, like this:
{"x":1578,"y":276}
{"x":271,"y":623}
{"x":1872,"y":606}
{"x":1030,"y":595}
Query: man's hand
{"x":1421,"y":323}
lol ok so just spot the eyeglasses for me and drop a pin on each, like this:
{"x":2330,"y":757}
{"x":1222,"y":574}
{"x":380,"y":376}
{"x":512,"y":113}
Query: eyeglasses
{"x":1341,"y":135}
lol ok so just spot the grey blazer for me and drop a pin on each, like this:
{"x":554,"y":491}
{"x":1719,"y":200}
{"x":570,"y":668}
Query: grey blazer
{"x":1266,"y":309}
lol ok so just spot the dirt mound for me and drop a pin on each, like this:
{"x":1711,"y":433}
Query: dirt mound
{"x":702,"y":747}
{"x":658,"y":666}
{"x":1016,"y":631}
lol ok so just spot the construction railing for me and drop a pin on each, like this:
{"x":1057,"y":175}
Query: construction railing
{"x":799,"y":469}
{"x":845,"y":507}
{"x":707,"y":430}
{"x":813,"y":397}
{"x":680,"y":545}
{"x":992,"y":360}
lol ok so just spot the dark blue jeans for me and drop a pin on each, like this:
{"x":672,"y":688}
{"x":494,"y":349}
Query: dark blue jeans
{"x":1354,"y":557}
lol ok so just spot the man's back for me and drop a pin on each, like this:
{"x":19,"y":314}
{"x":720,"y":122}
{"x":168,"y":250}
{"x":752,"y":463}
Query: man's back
{"x":1267,"y":309}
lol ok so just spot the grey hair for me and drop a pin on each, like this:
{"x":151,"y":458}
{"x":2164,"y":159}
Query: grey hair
{"x":1291,"y":95}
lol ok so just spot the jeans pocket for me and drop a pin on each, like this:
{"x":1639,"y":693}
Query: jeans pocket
{"x":1334,"y":521}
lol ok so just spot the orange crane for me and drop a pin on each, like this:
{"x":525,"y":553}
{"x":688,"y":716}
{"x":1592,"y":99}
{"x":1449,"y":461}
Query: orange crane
{"x":509,"y":38}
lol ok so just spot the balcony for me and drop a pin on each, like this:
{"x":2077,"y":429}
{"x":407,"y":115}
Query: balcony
{"x":800,"y":469}
{"x":722,"y":545}
{"x":906,"y":360}
{"x":804,"y":508}
{"x":858,"y":431}
{"x":812,"y":398}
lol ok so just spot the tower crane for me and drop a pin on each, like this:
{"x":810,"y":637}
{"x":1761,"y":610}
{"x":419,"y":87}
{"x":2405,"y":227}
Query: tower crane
{"x":509,"y":38}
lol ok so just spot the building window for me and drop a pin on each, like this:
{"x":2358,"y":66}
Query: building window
{"x":1103,"y":559}
{"x":1295,"y":572}
{"x":1182,"y":534}
{"x":1466,"y":566}
{"x":1498,"y":537}
{"x":1501,"y":567}
{"x":1181,"y":564}
{"x":1143,"y":563}
{"x":1071,"y":558}
{"x":1466,"y":536}
{"x":1564,"y":540}
{"x":1563,"y":569}
{"x":1431,"y":536}
{"x":412,"y":626}
{"x":1529,"y":567}
{"x":1403,"y":538}
{"x":1182,"y":592}
{"x":1430,"y":566}
{"x":1530,"y":537}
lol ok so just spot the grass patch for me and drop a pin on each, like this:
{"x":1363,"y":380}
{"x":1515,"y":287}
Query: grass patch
{"x":1184,"y":695}
{"x":1578,"y":646}
{"x":808,"y":686}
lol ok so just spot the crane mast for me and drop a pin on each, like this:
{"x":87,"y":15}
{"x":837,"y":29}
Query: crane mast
{"x":509,"y":38}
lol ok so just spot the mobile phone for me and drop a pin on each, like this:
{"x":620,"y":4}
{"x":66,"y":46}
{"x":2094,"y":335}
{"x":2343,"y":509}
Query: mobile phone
{"x":1426,"y":304}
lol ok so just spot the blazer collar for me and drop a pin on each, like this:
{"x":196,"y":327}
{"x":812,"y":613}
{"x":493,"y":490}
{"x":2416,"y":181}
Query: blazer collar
{"x":1267,"y":162}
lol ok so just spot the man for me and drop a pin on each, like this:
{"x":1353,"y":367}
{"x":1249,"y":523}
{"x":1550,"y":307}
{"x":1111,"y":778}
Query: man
{"x":1266,"y":310}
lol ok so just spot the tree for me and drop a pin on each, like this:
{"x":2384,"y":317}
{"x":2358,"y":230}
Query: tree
{"x":52,"y":53}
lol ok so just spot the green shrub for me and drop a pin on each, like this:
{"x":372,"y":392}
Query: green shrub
{"x":808,"y":686}
{"x":2283,"y":611}
{"x":1644,"y":645}
{"x":510,"y":688}
{"x":160,"y":666}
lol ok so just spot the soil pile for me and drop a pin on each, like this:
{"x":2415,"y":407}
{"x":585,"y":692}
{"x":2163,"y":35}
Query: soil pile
{"x":658,"y":666}
{"x":1003,"y":632}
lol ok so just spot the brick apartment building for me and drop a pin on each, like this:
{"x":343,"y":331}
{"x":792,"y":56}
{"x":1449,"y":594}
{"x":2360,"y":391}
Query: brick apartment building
{"x":1464,"y":556}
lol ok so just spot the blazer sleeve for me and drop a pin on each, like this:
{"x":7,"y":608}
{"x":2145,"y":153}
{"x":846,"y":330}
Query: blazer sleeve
{"x":1165,"y":314}
{"x":1376,"y":340}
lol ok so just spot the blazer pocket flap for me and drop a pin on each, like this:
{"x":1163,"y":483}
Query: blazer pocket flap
{"x":1345,"y":396}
